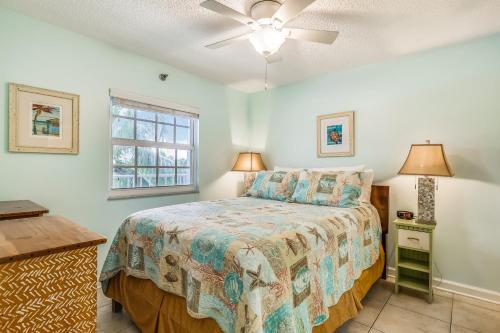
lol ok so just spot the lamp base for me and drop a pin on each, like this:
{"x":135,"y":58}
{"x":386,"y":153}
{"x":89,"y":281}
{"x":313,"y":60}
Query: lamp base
{"x":426,"y":222}
{"x":426,"y":202}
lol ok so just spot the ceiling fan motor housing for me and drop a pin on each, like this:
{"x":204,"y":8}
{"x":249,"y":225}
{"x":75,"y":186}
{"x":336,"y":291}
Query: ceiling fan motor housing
{"x":267,"y":20}
{"x":264,"y":9}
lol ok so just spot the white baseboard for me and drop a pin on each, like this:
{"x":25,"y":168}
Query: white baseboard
{"x":457,"y":288}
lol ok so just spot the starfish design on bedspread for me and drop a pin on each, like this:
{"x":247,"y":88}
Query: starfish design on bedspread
{"x":291,"y":245}
{"x":249,"y":249}
{"x":350,"y":219}
{"x":174,"y":233}
{"x":315,"y":232}
{"x":317,"y":263}
{"x":256,"y":280}
{"x":223,"y":263}
{"x":303,"y":240}
{"x":189,"y":255}
{"x":336,"y":222}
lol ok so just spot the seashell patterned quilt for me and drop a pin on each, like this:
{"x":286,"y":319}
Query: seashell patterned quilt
{"x":253,"y":265}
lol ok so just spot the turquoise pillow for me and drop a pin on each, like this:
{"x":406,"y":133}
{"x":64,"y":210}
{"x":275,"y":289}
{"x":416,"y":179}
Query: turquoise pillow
{"x":274,"y":185}
{"x":338,"y":189}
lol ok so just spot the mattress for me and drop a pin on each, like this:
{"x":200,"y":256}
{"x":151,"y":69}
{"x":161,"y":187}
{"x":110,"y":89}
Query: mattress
{"x":250,"y":264}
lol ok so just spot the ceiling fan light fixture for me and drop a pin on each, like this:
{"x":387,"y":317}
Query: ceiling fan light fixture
{"x":267,"y":40}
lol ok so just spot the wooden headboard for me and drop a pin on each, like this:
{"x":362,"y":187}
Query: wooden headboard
{"x":380,"y":199}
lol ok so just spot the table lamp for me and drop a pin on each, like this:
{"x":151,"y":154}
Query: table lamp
{"x":428,"y":160}
{"x":249,"y":163}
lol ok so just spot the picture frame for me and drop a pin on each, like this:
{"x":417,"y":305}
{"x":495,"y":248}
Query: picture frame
{"x":335,"y":134}
{"x":43,"y":120}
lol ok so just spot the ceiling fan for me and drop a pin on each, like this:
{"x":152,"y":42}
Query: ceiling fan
{"x":268,"y":21}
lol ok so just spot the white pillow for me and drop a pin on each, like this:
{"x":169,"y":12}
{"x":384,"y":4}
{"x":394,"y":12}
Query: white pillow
{"x":287,"y":169}
{"x":355,"y":168}
{"x":367,"y":181}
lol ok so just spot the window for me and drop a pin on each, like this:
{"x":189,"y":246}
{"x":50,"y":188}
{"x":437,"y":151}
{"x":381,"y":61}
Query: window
{"x":153,"y":148}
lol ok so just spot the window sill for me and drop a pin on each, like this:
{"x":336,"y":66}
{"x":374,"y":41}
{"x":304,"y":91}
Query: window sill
{"x":151,"y":192}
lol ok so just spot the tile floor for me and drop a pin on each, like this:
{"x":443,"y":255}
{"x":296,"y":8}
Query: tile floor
{"x":383,"y":312}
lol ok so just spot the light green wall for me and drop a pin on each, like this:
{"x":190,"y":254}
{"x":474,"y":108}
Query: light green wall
{"x":46,"y":56}
{"x":449,"y":95}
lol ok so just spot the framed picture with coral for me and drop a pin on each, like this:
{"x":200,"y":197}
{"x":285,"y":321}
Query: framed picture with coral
{"x":43,"y":121}
{"x":335,"y":134}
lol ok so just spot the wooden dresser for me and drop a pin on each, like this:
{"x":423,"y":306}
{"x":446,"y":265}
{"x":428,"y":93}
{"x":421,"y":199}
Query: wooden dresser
{"x":48,"y":276}
{"x":20,"y":209}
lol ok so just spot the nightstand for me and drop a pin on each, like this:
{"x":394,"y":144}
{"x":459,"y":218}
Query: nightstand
{"x":414,"y":256}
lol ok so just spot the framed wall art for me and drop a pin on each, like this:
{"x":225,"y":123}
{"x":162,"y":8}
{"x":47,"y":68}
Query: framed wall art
{"x":43,"y":121}
{"x":335,"y":134}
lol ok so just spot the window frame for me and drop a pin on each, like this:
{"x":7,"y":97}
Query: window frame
{"x":159,"y":190}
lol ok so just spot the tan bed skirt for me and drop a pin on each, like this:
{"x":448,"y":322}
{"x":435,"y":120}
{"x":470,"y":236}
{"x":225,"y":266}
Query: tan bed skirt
{"x":154,"y":310}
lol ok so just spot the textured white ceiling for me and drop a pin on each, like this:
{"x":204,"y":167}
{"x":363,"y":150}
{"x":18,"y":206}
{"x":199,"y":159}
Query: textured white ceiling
{"x":175,"y":31}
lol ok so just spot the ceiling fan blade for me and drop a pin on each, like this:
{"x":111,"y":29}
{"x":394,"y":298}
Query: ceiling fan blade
{"x":290,"y":9}
{"x":228,"y":41}
{"x":226,"y":11}
{"x":318,"y":36}
{"x":271,"y":59}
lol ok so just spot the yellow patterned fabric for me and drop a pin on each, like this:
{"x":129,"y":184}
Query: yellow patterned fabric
{"x":50,"y":293}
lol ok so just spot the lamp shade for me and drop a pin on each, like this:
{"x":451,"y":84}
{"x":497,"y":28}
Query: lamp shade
{"x":249,"y":162}
{"x":426,"y":160}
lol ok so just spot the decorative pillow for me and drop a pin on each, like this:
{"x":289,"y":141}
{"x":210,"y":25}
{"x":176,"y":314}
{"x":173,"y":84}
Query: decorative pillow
{"x":275,"y":185}
{"x":354,"y":168}
{"x":249,"y":178}
{"x":339,"y":189}
{"x":366,"y":185}
{"x":277,"y":168}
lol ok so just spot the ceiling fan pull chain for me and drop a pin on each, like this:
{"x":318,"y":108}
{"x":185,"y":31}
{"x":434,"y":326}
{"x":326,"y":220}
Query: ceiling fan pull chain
{"x":265,"y":78}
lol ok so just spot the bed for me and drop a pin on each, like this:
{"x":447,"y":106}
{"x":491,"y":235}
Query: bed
{"x":246,"y":265}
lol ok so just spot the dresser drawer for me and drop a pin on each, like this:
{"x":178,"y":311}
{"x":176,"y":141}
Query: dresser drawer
{"x":414,"y":239}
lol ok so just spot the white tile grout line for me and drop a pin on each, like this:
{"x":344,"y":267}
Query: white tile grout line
{"x":458,"y":288}
{"x":422,"y":314}
{"x":425,"y":315}
{"x":451,"y":317}
{"x":382,"y":309}
{"x":390,"y":279}
{"x":451,"y":321}
{"x":477,"y":305}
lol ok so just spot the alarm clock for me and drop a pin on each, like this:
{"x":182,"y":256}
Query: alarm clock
{"x":404,"y":214}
